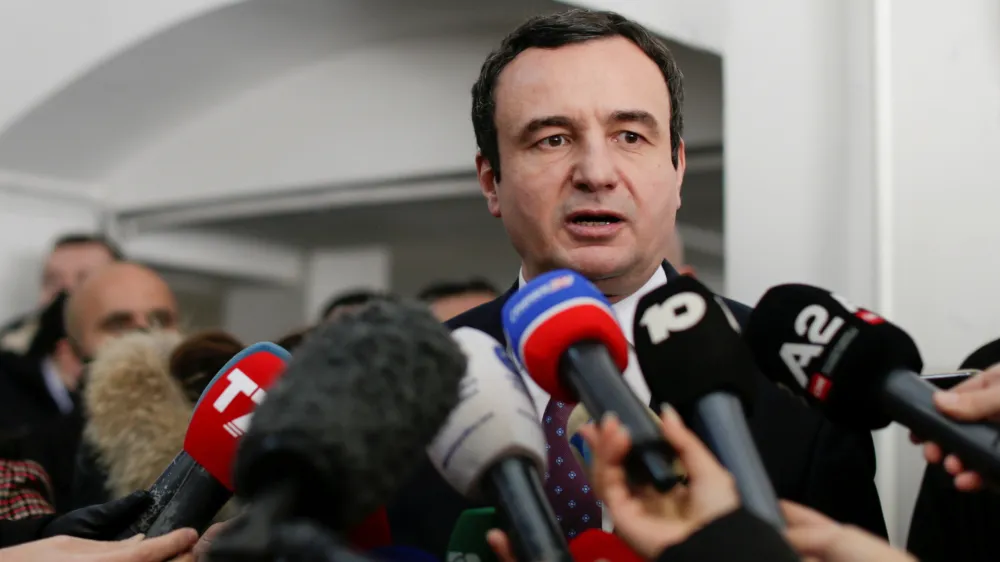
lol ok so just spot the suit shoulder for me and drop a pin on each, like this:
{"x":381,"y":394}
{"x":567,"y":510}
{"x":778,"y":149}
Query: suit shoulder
{"x":485,"y":317}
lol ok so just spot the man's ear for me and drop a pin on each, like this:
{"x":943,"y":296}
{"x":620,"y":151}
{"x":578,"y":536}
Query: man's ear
{"x":488,"y":183}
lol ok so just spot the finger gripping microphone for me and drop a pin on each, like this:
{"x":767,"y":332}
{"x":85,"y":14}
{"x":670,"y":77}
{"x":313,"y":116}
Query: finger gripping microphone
{"x":342,"y":429}
{"x":562,"y":330}
{"x":493,"y":446}
{"x":198,"y":482}
{"x":692,"y":356}
{"x":859,"y":369}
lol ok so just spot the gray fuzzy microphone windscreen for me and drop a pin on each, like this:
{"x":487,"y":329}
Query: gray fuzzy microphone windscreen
{"x":349,"y":420}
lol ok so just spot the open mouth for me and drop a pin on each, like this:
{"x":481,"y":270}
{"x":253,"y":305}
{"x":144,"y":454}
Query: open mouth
{"x":594,"y":218}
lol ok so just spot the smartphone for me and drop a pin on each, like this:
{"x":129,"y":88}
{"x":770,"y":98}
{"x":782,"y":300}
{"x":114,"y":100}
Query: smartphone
{"x":944,"y":381}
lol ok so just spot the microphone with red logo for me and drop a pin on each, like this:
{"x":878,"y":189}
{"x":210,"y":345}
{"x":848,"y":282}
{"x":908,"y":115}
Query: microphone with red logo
{"x":859,"y":369}
{"x":562,"y":330}
{"x":595,"y":545}
{"x":199,"y":481}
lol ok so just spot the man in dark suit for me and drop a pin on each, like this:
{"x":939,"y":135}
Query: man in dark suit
{"x":581,"y":111}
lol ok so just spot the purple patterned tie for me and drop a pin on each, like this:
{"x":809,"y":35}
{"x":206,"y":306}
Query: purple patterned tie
{"x":576,"y":507}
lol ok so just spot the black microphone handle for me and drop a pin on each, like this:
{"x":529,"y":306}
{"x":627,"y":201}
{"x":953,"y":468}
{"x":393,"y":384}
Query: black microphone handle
{"x":719,"y":420}
{"x":589,"y":370}
{"x":517,"y":489}
{"x":908,"y":399}
{"x":194,"y":505}
{"x":161,"y":492}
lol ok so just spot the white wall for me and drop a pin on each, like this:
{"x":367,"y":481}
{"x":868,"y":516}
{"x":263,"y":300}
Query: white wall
{"x":330,"y":271}
{"x":255,"y":313}
{"x":28,"y":226}
{"x":66,"y":39}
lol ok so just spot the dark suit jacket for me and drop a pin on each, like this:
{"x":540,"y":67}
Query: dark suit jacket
{"x":951,"y":525}
{"x":809,"y":460}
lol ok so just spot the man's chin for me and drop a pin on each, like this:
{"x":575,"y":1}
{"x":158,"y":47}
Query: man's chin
{"x":598,"y":264}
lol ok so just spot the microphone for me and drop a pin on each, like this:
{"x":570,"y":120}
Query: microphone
{"x":339,"y":432}
{"x":468,"y":538}
{"x":581,"y":450}
{"x":859,"y":369}
{"x":492,"y":445}
{"x":594,"y":545}
{"x":692,"y":357}
{"x":565,"y":334}
{"x":198,"y":482}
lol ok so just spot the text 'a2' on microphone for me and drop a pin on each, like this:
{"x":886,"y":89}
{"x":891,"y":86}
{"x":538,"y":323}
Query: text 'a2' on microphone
{"x":198,"y":482}
{"x":692,"y":356}
{"x":493,"y":447}
{"x":344,"y":427}
{"x":860,"y":370}
{"x":562,"y":330}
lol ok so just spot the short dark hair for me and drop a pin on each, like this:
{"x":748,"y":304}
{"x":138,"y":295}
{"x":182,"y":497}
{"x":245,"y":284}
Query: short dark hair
{"x":350,"y":298}
{"x":79,"y":239}
{"x":444,"y":289}
{"x":558,"y":30}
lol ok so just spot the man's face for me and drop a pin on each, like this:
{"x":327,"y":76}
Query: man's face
{"x":68,"y":266}
{"x":586,"y":177}
{"x":129,"y":303}
{"x":446,"y":308}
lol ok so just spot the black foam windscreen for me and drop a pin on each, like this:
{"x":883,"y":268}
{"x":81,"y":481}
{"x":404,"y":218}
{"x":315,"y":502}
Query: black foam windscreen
{"x":688,"y":345}
{"x":984,"y":357}
{"x":828,"y":350}
{"x":357,"y":405}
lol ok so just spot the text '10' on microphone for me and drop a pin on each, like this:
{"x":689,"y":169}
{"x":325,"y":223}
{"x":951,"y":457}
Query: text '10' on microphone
{"x":688,"y":344}
{"x":562,"y":330}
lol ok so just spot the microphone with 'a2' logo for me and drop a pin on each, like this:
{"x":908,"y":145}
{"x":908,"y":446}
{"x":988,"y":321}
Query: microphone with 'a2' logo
{"x":199,"y":481}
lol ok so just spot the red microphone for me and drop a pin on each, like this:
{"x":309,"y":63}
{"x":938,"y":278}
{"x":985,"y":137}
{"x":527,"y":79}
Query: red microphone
{"x":199,"y":481}
{"x":594,"y":545}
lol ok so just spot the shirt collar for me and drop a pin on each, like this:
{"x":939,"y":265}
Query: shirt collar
{"x":625,"y":308}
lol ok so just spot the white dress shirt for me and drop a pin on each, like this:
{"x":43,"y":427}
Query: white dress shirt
{"x":625,"y":311}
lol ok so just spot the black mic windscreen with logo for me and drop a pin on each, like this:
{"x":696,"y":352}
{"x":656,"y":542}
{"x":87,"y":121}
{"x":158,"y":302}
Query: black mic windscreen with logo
{"x":688,"y":345}
{"x":360,"y":400}
{"x":828,"y":350}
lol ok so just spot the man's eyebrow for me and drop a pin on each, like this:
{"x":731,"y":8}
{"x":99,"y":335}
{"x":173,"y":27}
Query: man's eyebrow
{"x":540,"y":123}
{"x":635,"y":116}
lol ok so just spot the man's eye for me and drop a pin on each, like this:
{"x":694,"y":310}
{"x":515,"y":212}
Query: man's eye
{"x":555,"y":141}
{"x":629,"y":137}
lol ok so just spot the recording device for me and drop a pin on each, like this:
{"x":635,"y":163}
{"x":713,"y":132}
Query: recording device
{"x":468,"y":538}
{"x":581,"y":450}
{"x":338,"y":433}
{"x":594,"y":545}
{"x":562,"y":330}
{"x":692,"y":356}
{"x":198,"y":482}
{"x":983,"y":358}
{"x":492,"y":446}
{"x":859,"y":369}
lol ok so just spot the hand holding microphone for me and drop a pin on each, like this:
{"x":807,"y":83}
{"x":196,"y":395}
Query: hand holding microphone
{"x":647,"y":520}
{"x":976,"y":399}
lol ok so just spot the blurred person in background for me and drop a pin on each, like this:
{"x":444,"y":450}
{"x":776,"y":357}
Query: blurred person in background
{"x":448,"y":299}
{"x":348,"y":301}
{"x":118,"y":299}
{"x":39,"y":373}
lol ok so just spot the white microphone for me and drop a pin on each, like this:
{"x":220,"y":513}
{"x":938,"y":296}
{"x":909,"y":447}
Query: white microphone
{"x":492,"y":446}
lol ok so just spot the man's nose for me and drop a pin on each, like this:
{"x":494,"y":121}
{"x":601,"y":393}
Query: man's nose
{"x":595,"y":167}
